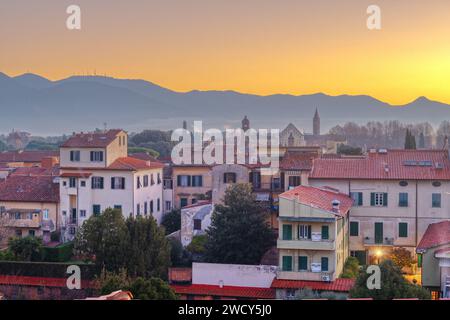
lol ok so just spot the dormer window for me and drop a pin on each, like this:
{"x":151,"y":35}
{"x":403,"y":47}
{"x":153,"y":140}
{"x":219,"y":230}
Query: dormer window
{"x":75,"y":155}
{"x":96,"y":156}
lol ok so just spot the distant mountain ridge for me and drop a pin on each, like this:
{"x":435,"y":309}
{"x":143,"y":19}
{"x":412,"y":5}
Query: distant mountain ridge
{"x":41,"y":106}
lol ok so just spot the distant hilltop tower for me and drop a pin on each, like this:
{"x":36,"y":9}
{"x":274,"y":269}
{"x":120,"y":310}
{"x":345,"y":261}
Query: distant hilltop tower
{"x":316,"y":124}
{"x":245,"y":124}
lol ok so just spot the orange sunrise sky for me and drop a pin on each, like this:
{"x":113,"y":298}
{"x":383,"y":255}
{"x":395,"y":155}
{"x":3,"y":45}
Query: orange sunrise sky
{"x":252,"y":46}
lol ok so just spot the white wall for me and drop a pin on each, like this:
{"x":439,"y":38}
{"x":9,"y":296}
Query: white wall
{"x":233,"y":275}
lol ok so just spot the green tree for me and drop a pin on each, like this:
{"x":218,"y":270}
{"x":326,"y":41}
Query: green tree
{"x":171,"y":221}
{"x":179,"y":257}
{"x":147,"y":250}
{"x":25,"y":249}
{"x":349,"y":150}
{"x":393,"y":285}
{"x":104,"y":237}
{"x":197,"y":247}
{"x":239,"y":231}
{"x":351,"y":268}
{"x":141,"y":288}
{"x":410,"y":140}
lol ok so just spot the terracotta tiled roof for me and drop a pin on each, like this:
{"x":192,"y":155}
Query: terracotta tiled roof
{"x":225,"y":291}
{"x":29,"y":189}
{"x":341,"y":285}
{"x":26,"y":156}
{"x":180,"y":274}
{"x":132,"y":164}
{"x":41,"y":281}
{"x":297,"y":161}
{"x":394,"y":165}
{"x":35,"y":171}
{"x":198,"y":204}
{"x":76,"y":175}
{"x":435,"y":235}
{"x":143,"y":156}
{"x":91,"y":139}
{"x":319,"y":197}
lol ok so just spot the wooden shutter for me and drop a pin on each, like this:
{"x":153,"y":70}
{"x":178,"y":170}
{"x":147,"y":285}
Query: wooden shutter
{"x":302,"y":263}
{"x":325,"y":232}
{"x":179,"y":181}
{"x":287,"y":232}
{"x":112,"y":183}
{"x":403,"y":230}
{"x":287,"y":263}
{"x":360,"y":198}
{"x":324,"y":263}
{"x":372,"y":199}
{"x":385,"y":199}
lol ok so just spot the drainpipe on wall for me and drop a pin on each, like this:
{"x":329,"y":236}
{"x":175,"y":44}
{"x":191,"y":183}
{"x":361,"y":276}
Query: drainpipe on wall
{"x":417,"y":214}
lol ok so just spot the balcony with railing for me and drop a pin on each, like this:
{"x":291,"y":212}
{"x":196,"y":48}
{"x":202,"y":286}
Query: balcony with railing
{"x":375,"y":241}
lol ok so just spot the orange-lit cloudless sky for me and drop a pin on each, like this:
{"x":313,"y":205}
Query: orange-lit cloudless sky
{"x":252,"y":46}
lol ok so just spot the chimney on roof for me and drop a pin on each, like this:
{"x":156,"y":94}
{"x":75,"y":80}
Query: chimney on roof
{"x":336,"y":205}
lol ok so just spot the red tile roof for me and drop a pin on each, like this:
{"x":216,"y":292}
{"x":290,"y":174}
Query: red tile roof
{"x":35,"y":171}
{"x":394,"y":165}
{"x":180,"y":274}
{"x":143,"y":156}
{"x":225,"y":291}
{"x":342,"y":285}
{"x":41,"y":282}
{"x":76,"y":175}
{"x":435,"y":235}
{"x":297,"y":160}
{"x":319,"y":197}
{"x":26,"y":156}
{"x":91,"y":139}
{"x":132,"y":164}
{"x":29,"y":189}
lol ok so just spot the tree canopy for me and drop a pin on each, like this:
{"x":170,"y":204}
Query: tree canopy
{"x":136,"y":244}
{"x":171,"y":221}
{"x":239,"y":231}
{"x":393,"y":285}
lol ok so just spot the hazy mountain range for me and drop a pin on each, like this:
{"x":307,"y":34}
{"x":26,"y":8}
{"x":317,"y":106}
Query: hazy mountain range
{"x":33,"y":103}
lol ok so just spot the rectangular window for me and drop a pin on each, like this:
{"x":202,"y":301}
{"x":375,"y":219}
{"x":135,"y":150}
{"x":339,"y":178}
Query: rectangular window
{"x":287,"y":232}
{"x":117,"y":183}
{"x":304,"y":231}
{"x":357,"y":198}
{"x":402,"y":199}
{"x":229,"y":177}
{"x":197,"y":181}
{"x":31,"y":233}
{"x":354,"y":228}
{"x":302,"y":263}
{"x":287,"y":263}
{"x":294,"y":181}
{"x":72,"y":182}
{"x":159,"y":178}
{"x":146,"y":181}
{"x":197,"y":224}
{"x":378,"y":199}
{"x":138,"y":182}
{"x":324,"y":264}
{"x":158,"y":205}
{"x":325,"y":233}
{"x":152,"y":179}
{"x":145,"y":208}
{"x":83,"y":213}
{"x":96,"y":209}
{"x":18,"y":233}
{"x":183,"y":181}
{"x":138,"y":209}
{"x":183,"y":202}
{"x":151,"y":206}
{"x":75,"y":155}
{"x":45,"y":214}
{"x":436,"y":200}
{"x":97,"y":182}
{"x":83,"y":183}
{"x":168,"y":205}
{"x":118,"y":207}
{"x":403,"y":230}
{"x":96,"y":156}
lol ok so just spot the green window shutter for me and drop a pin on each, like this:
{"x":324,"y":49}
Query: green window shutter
{"x":403,"y":230}
{"x":324,"y":263}
{"x":372,"y":199}
{"x":302,"y":263}
{"x":354,"y":228}
{"x":419,"y":260}
{"x":385,"y":199}
{"x":360,"y":198}
{"x":287,"y":232}
{"x":325,"y":232}
{"x":287,"y":263}
{"x":402,"y":199}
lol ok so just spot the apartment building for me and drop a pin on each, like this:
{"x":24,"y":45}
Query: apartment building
{"x":29,"y":206}
{"x":313,"y":237}
{"x":397,"y":194}
{"x":96,"y":173}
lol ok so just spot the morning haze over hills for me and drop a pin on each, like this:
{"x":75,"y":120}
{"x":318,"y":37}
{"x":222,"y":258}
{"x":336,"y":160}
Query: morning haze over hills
{"x":41,"y":106}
